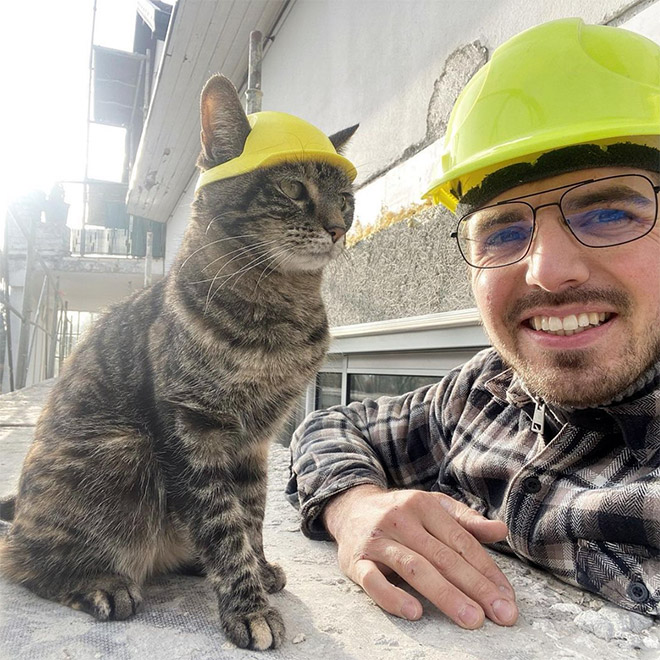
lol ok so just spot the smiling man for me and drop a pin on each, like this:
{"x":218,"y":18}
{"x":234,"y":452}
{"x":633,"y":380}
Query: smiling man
{"x":546,"y":445}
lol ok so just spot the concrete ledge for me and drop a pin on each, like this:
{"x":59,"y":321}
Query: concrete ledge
{"x":326,"y":615}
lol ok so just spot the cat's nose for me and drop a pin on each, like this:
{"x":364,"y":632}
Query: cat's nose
{"x":336,"y":232}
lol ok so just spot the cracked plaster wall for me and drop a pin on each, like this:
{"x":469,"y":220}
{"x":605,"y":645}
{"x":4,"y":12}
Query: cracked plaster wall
{"x":413,"y":267}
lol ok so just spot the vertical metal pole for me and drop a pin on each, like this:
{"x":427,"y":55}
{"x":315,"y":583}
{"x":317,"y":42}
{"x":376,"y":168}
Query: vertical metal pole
{"x":52,"y":340}
{"x":253,"y":93}
{"x":65,"y":316}
{"x":148,"y":260}
{"x":24,"y":335}
{"x":35,"y":329}
{"x":89,"y":121}
{"x":5,"y":264}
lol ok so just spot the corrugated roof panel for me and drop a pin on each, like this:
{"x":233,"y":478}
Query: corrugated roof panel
{"x":205,"y":38}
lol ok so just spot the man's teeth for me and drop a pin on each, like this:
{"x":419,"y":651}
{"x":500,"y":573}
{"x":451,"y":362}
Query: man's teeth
{"x":569,"y":325}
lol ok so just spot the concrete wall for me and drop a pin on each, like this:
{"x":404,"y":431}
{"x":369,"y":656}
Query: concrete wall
{"x":396,"y":67}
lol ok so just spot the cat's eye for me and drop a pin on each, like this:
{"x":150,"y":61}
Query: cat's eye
{"x":344,"y":198}
{"x":292,"y":188}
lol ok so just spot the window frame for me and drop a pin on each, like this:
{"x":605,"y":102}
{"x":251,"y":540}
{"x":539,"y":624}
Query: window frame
{"x":429,"y":345}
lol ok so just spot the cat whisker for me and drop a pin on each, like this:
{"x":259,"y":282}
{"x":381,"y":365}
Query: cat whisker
{"x":251,"y":264}
{"x":246,"y":251}
{"x":207,"y":245}
{"x":241,"y":271}
{"x":242,"y":250}
{"x":271,"y":267}
{"x":219,"y":217}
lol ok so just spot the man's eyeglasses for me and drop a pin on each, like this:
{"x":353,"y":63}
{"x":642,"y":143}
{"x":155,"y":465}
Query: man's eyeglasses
{"x":599,"y":213}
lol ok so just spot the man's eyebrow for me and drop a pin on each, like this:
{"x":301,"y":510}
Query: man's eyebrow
{"x":623,"y":193}
{"x":501,"y":216}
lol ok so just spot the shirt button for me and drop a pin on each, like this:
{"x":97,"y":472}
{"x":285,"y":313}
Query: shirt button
{"x":531,"y":485}
{"x":638,"y":592}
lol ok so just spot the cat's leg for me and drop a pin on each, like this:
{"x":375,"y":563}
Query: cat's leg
{"x":217,"y":518}
{"x":252,"y":486}
{"x":83,"y":529}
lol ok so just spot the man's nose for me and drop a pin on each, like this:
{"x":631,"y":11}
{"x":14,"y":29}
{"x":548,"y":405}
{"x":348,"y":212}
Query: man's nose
{"x":556,"y":260}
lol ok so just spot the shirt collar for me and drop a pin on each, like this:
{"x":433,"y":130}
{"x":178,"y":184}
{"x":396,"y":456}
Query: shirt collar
{"x":636,"y":411}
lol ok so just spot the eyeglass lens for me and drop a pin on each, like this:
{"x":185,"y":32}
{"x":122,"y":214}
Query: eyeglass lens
{"x":602,"y":213}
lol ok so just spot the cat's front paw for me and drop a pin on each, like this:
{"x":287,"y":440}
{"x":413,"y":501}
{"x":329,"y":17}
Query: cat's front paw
{"x":273,"y":577}
{"x":259,"y":630}
{"x":107,"y":598}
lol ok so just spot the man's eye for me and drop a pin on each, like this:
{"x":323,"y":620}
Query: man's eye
{"x":599,"y":216}
{"x":601,"y":221}
{"x":506,"y":236}
{"x":292,"y":188}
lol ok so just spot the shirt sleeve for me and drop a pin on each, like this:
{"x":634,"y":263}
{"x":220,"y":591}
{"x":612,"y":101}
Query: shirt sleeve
{"x":393,"y":442}
{"x":627,"y":575}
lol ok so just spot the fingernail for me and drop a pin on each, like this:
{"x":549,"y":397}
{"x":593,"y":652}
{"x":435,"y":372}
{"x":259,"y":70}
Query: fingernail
{"x":504,"y":610}
{"x":508,"y":591}
{"x":470,"y":616}
{"x":409,"y":611}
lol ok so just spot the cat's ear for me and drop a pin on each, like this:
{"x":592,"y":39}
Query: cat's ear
{"x":340,"y":138}
{"x":224,"y":124}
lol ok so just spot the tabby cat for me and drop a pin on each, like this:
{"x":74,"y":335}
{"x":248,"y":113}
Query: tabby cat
{"x":150,"y":454}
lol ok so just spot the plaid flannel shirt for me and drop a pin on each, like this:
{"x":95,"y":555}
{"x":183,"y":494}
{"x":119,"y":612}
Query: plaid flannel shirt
{"x":582,"y":502}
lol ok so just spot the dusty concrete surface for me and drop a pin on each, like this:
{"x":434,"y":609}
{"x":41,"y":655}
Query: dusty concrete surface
{"x":326,"y":615}
{"x":408,"y":269}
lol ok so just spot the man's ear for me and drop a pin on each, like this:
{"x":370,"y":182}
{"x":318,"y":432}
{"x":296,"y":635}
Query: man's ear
{"x":340,"y":138}
{"x":224,"y":124}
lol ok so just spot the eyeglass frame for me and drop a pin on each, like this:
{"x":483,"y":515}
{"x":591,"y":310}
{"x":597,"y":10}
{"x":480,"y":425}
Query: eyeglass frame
{"x":570,"y":186}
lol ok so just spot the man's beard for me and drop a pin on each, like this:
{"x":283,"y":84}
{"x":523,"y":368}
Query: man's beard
{"x":581,"y":377}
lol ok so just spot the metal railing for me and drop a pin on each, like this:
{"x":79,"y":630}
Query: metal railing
{"x":101,"y":241}
{"x":41,"y":322}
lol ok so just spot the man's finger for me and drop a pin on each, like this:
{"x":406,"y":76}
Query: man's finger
{"x":391,"y":598}
{"x":485,"y":585}
{"x":483,"y":529}
{"x":420,"y":574}
{"x":461,"y":539}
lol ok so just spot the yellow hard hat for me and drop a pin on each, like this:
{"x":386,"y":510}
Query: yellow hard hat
{"x":558,"y":84}
{"x":277,"y":137}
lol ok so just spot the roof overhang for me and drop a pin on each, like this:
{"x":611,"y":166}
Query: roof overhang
{"x":203,"y":38}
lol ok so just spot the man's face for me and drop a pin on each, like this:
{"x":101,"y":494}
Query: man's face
{"x":560,"y":278}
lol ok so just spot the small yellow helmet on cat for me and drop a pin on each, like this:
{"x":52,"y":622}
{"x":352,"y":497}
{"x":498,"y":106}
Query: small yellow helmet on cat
{"x":278,"y":137}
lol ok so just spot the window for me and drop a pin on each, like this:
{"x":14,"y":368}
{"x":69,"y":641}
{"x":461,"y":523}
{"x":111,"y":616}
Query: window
{"x":389,"y":358}
{"x":376,"y":385}
{"x":328,"y":390}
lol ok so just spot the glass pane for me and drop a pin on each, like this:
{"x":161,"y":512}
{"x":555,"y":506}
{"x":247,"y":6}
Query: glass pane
{"x":496,"y":235}
{"x":328,"y":390}
{"x":373,"y":386}
{"x":611,"y":211}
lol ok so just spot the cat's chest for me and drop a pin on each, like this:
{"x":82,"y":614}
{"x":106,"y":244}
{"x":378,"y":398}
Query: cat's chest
{"x":271,"y":366}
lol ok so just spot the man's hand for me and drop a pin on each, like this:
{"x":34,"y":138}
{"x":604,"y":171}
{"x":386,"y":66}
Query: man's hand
{"x":431,"y":541}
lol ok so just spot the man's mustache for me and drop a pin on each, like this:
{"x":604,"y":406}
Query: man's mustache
{"x":582,"y":295}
